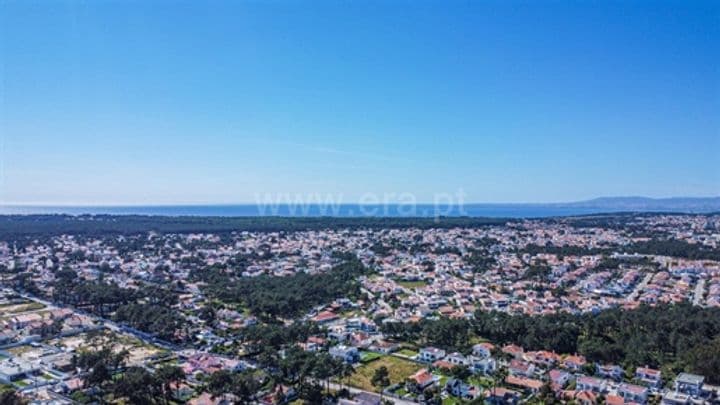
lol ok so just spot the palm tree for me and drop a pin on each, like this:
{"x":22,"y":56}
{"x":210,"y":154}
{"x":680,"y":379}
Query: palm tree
{"x":381,"y":380}
{"x":167,"y":375}
{"x":346,"y":371}
{"x":498,"y":377}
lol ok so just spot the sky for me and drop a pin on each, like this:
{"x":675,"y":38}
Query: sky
{"x":160,"y":102}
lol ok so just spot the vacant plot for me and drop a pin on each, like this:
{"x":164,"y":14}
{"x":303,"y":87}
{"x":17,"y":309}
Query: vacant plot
{"x":138,"y":351}
{"x":412,"y":284}
{"x":398,"y":369}
{"x":18,"y":351}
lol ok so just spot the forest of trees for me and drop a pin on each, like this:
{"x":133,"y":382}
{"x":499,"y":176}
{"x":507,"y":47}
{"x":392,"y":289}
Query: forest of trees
{"x":290,"y":296}
{"x":147,"y":308}
{"x":14,"y":227}
{"x":675,"y":248}
{"x":106,"y":372}
{"x":674,"y":337}
{"x":665,"y":247}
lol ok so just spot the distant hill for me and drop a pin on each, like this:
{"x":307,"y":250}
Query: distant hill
{"x":684,"y":204}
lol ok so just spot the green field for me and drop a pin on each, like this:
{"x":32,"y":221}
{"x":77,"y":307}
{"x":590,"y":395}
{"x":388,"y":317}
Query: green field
{"x":398,"y":369}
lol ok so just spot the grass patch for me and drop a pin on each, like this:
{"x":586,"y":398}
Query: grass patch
{"x":407,"y":352}
{"x":483,"y":382}
{"x":399,"y":370}
{"x":367,"y":357}
{"x":412,"y":284}
{"x":443,"y":379}
{"x":12,"y":304}
{"x":19,"y":350}
{"x":23,"y":307}
{"x":477,"y":339}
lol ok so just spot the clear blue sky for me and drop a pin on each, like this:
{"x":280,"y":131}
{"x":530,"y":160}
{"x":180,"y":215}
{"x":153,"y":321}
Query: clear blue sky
{"x":158,"y":102}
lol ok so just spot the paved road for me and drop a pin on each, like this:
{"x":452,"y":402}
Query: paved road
{"x":638,"y":288}
{"x":353,"y":390}
{"x":699,"y":292}
{"x":107,"y":323}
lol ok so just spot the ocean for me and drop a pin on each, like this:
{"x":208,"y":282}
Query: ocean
{"x":318,"y":210}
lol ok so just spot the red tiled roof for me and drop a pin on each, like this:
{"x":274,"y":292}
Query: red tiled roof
{"x":524,"y":382}
{"x":443,"y":364}
{"x":325,"y":316}
{"x":422,"y":377}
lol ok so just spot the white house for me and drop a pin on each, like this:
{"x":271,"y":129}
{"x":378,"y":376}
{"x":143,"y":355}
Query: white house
{"x":593,"y":384}
{"x":482,"y":350}
{"x":457,"y":359}
{"x":483,"y":366}
{"x":648,"y":376}
{"x":431,"y":354}
{"x":633,"y":393}
{"x":348,"y":354}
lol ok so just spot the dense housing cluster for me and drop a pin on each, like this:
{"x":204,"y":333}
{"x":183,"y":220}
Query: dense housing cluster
{"x":618,"y":309}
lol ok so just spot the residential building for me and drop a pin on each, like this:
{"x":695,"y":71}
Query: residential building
{"x":690,"y":384}
{"x":633,"y":393}
{"x":431,"y":354}
{"x":348,"y":354}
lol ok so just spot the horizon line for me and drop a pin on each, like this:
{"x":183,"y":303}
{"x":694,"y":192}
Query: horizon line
{"x":220,"y":204}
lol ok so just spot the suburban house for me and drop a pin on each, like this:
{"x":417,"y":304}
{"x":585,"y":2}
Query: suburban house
{"x":522,"y":368}
{"x":633,"y":393}
{"x":483,"y":349}
{"x":529,"y":385}
{"x":361,"y":399}
{"x":585,"y":383}
{"x":648,"y":376}
{"x":23,"y":320}
{"x":483,"y":366}
{"x":362,"y":324}
{"x":543,"y":357}
{"x":574,"y":363}
{"x":513,"y":350}
{"x":421,"y":380}
{"x":675,"y":398}
{"x":558,"y":378}
{"x":309,"y":346}
{"x":208,"y":364}
{"x":431,"y":354}
{"x":611,"y":371}
{"x":457,"y":359}
{"x":690,"y":384}
{"x":15,"y":369}
{"x":339,"y":335}
{"x":462,"y":390}
{"x":326,"y":317}
{"x":502,"y":396}
{"x":583,"y":397}
{"x":385,"y":347}
{"x":443,"y":364}
{"x":347,"y":354}
{"x":614,"y":400}
{"x":281,"y":394}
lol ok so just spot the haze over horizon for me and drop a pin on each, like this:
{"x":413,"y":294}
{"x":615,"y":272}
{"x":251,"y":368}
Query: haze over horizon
{"x":115,"y":103}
